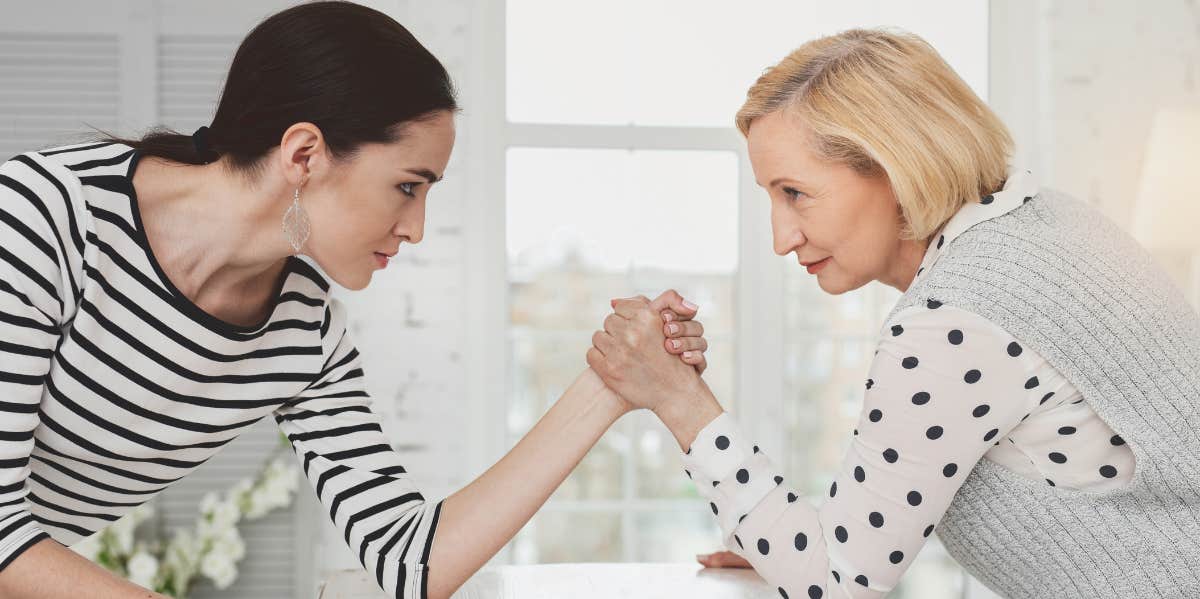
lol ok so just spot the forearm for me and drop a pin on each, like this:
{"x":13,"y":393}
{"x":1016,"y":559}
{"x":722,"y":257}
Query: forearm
{"x":478,"y":520}
{"x":48,"y":570}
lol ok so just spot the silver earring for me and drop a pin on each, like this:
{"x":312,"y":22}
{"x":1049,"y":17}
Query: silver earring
{"x":295,"y":224}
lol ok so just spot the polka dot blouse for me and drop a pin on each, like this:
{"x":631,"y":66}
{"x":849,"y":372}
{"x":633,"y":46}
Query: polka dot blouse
{"x":946,"y":388}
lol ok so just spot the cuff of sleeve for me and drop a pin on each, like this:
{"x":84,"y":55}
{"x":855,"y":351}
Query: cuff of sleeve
{"x":15,"y":545}
{"x":719,"y":449}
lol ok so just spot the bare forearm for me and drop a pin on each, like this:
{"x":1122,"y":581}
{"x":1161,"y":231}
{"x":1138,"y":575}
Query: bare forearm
{"x":478,"y":520}
{"x":48,"y":570}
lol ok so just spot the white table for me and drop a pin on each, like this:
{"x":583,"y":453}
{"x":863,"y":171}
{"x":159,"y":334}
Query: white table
{"x":583,"y":581}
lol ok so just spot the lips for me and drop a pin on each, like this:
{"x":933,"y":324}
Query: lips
{"x":815,"y":267}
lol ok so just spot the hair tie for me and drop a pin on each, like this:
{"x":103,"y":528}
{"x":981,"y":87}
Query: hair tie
{"x":200,"y":143}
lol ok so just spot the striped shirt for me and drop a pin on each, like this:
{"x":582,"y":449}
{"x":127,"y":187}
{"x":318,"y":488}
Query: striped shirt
{"x":113,"y":385}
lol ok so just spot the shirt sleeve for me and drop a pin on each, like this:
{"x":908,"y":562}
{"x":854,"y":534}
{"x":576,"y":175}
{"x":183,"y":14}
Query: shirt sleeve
{"x":357,"y":475}
{"x":945,"y":386}
{"x":32,"y":288}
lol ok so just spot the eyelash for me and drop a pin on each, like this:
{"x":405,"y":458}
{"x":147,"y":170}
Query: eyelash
{"x":410,"y":189}
{"x":793,"y":194}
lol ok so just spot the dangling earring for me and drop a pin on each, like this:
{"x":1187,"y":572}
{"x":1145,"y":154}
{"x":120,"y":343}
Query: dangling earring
{"x":296,"y":224}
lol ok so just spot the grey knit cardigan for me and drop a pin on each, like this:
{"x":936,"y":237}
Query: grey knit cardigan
{"x":1068,"y":283}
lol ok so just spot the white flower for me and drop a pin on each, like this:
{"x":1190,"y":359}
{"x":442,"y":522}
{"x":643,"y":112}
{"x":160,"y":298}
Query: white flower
{"x":122,"y":534}
{"x":230,"y":544}
{"x":208,"y":504}
{"x":219,"y":568}
{"x":142,"y":569}
{"x":226,"y":514}
{"x":88,"y":547}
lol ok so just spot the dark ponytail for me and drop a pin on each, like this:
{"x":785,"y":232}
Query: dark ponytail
{"x":352,"y":71}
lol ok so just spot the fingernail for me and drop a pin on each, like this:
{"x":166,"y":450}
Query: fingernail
{"x":668,"y":315}
{"x":675,"y":343}
{"x":674,"y":328}
{"x":686,"y":354}
{"x":690,"y":305}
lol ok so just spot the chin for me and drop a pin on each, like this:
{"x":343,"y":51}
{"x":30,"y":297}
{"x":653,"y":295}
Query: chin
{"x":352,"y":281}
{"x":837,"y":285}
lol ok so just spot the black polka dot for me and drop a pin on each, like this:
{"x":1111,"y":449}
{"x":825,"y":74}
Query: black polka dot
{"x":920,"y":270}
{"x":972,"y":376}
{"x":763,"y":546}
{"x":875,"y":415}
{"x":1066,"y":430}
{"x":876,"y":519}
{"x":933,"y":304}
{"x":949,"y":470}
{"x":756,"y":449}
{"x":941,"y":240}
{"x":890,"y":455}
{"x":739,"y":541}
{"x":688,"y":473}
{"x":840,"y":534}
{"x":859,"y":474}
{"x":836,"y":576}
{"x":934,"y":432}
{"x":815,"y":592}
{"x":833,"y":489}
{"x":1050,"y":481}
{"x":714,"y":508}
{"x":792,"y":497}
{"x":920,"y":398}
{"x":1108,"y":471}
{"x":782,"y":593}
{"x":955,"y":337}
{"x":855,"y":432}
{"x":991,"y":434}
{"x":1117,"y":440}
{"x":928,"y":531}
{"x":896,"y":557}
{"x":742,"y":517}
{"x":987,"y":199}
{"x":743,"y":476}
{"x":860,"y":579}
{"x":897,"y":330}
{"x":1014,"y":349}
{"x":981,"y":410}
{"x":779,"y":480}
{"x":1058,"y":458}
{"x":910,"y":362}
{"x":716,"y":482}
{"x":1032,"y":382}
{"x":914,"y":498}
{"x":722,"y":442}
{"x":801,"y":541}
{"x":1046,"y":398}
{"x":870,"y":383}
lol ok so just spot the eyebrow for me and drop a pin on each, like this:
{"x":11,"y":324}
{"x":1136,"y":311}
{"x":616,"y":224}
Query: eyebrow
{"x":424,"y":172}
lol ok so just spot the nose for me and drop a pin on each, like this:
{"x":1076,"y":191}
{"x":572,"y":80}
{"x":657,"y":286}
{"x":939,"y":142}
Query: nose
{"x":412,"y":222}
{"x":785,"y":233}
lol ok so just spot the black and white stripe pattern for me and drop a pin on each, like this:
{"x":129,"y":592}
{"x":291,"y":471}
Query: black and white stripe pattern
{"x":113,"y":385}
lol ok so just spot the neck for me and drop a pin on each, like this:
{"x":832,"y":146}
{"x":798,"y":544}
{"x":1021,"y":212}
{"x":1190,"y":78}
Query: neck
{"x":210,"y":230}
{"x":906,"y":261}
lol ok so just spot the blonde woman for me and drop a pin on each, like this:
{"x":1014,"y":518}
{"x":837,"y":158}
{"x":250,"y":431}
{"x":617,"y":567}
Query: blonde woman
{"x":1033,"y":397}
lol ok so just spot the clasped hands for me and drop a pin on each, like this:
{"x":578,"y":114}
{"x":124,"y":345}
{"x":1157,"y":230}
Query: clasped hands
{"x":651,"y":354}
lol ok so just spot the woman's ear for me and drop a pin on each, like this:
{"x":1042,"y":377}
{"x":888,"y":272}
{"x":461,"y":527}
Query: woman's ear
{"x":302,"y":153}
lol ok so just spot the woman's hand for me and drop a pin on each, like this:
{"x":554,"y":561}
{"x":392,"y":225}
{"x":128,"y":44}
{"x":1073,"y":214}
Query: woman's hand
{"x":723,"y":559}
{"x":629,"y":357}
{"x":685,"y":336}
{"x":629,"y":354}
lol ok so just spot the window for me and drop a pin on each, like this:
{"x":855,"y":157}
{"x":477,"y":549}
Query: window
{"x":623,"y":175}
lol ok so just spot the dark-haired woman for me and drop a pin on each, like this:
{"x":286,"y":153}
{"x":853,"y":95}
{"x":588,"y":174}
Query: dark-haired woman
{"x":151,"y":310}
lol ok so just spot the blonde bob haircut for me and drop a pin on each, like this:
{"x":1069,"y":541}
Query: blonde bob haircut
{"x":883,"y":102}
